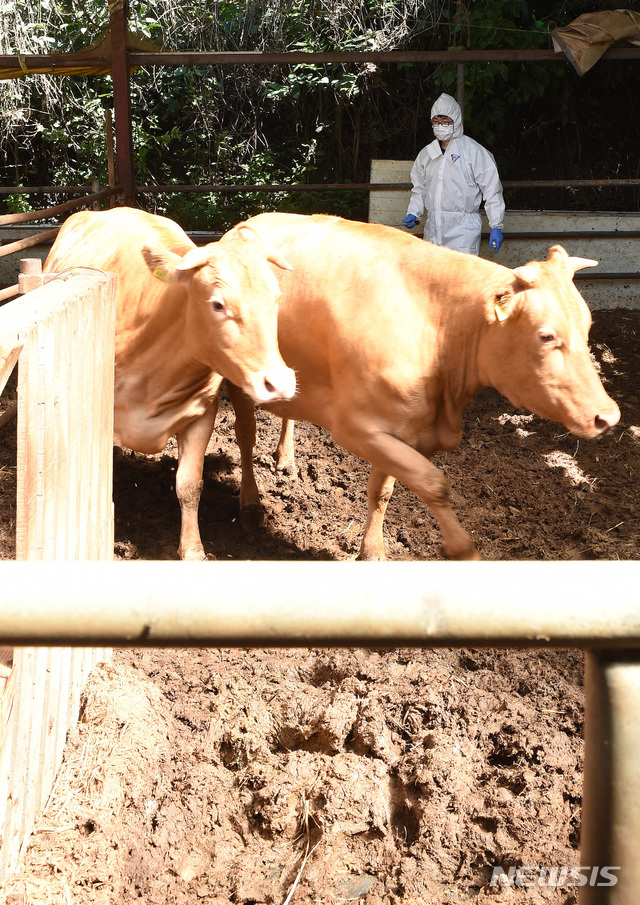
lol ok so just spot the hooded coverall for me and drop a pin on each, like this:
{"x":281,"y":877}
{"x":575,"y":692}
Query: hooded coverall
{"x":450,"y":185}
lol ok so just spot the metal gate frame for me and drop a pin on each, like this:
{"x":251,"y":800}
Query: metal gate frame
{"x":592,"y":605}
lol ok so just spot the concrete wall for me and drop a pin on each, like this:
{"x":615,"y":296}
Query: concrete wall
{"x":615,"y":253}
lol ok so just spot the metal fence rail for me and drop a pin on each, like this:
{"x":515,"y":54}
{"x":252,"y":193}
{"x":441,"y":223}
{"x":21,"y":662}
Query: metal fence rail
{"x":374,"y":604}
{"x":593,"y":605}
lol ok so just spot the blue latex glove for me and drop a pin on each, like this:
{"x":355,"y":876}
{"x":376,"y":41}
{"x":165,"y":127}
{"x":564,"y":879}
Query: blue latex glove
{"x":410,"y":221}
{"x":495,"y":239}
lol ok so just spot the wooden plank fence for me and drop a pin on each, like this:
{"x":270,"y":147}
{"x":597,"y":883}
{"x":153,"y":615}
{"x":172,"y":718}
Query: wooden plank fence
{"x":62,"y":337}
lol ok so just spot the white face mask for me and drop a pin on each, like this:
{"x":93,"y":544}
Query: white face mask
{"x":442,"y":132}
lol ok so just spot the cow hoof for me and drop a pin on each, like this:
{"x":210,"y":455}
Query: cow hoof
{"x":371,"y":556}
{"x":287,"y":469}
{"x":196,"y":555}
{"x":252,"y":517}
{"x":466,"y":554}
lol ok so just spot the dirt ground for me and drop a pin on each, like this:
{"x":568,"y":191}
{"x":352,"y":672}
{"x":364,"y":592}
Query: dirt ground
{"x":302,"y":776}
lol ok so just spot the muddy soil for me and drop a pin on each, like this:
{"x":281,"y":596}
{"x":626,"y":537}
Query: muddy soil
{"x":273,"y":776}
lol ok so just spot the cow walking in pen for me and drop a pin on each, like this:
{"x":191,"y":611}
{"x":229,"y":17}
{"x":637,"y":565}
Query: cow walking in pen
{"x":186,"y":318}
{"x":390,"y":337}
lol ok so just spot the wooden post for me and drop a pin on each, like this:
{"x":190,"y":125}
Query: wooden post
{"x":64,"y":335}
{"x":65,"y":419}
{"x":30,"y":276}
{"x":121,"y":99}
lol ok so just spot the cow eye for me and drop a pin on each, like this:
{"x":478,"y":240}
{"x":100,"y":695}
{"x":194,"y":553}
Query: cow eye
{"x":218,"y":305}
{"x":547,"y":335}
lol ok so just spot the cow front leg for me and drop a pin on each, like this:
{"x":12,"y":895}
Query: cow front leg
{"x":285,"y":453}
{"x":192,"y":446}
{"x":251,"y":509}
{"x":393,"y":457}
{"x":379,"y":490}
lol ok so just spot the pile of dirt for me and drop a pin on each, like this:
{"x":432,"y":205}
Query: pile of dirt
{"x":387,"y":776}
{"x":253,"y":776}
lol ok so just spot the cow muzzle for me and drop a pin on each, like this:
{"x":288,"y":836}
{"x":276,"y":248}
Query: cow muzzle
{"x":608,"y":419}
{"x":597,"y":425}
{"x":271,"y":385}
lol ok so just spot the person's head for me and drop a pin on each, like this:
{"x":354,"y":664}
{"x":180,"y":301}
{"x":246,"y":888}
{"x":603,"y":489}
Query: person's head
{"x":446,"y":118}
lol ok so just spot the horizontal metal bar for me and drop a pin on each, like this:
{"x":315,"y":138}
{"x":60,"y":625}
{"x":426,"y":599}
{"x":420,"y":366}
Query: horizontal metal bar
{"x":28,"y":216}
{"x":512,"y":55}
{"x":570,"y":183}
{"x":573,"y":234}
{"x":584,"y":275}
{"x":260,"y":58}
{"x":223,"y":604}
{"x":317,"y":187}
{"x":41,"y":238}
{"x":376,"y":186}
{"x":9,"y":292}
{"x":37,"y":62}
{"x":284,"y":187}
{"x":50,"y":189}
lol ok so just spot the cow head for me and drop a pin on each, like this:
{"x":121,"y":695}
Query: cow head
{"x":536,"y":351}
{"x":231,"y":296}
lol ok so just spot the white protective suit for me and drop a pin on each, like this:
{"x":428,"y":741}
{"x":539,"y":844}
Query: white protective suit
{"x":451,"y":184}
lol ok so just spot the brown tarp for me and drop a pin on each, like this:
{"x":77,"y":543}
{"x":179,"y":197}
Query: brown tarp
{"x":585,"y":39}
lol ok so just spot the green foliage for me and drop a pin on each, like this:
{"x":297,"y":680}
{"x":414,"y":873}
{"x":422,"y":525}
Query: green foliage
{"x":303,"y":123}
{"x":17,"y":204}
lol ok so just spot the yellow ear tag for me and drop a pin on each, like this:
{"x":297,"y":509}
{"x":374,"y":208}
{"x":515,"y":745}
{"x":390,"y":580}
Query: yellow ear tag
{"x":501,"y":315}
{"x":161,"y":274}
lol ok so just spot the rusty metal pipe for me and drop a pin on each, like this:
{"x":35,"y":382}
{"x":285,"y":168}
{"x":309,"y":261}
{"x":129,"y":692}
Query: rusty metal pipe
{"x":29,"y":216}
{"x":372,"y":186}
{"x":29,"y":242}
{"x":34,"y":63}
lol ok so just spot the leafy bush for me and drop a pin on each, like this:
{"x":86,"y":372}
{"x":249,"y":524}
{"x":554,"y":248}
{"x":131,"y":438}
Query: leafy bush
{"x":311,"y":123}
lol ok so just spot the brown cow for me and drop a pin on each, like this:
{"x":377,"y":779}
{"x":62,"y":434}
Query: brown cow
{"x":186,"y":318}
{"x":390,"y":337}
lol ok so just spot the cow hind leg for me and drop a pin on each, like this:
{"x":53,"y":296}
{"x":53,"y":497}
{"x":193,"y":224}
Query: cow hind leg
{"x":251,"y":510}
{"x":192,"y":446}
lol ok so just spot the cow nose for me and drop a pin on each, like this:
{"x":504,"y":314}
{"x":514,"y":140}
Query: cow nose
{"x":273,"y":385}
{"x":607,"y":420}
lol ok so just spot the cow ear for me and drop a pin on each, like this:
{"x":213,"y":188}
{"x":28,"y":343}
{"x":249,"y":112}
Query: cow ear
{"x":503,"y":302}
{"x":161,"y":263}
{"x":557,"y":251}
{"x":274,"y":257}
{"x":527,"y":277}
{"x":244,"y":231}
{"x":195,"y":257}
{"x":502,"y":305}
{"x":182,"y":250}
